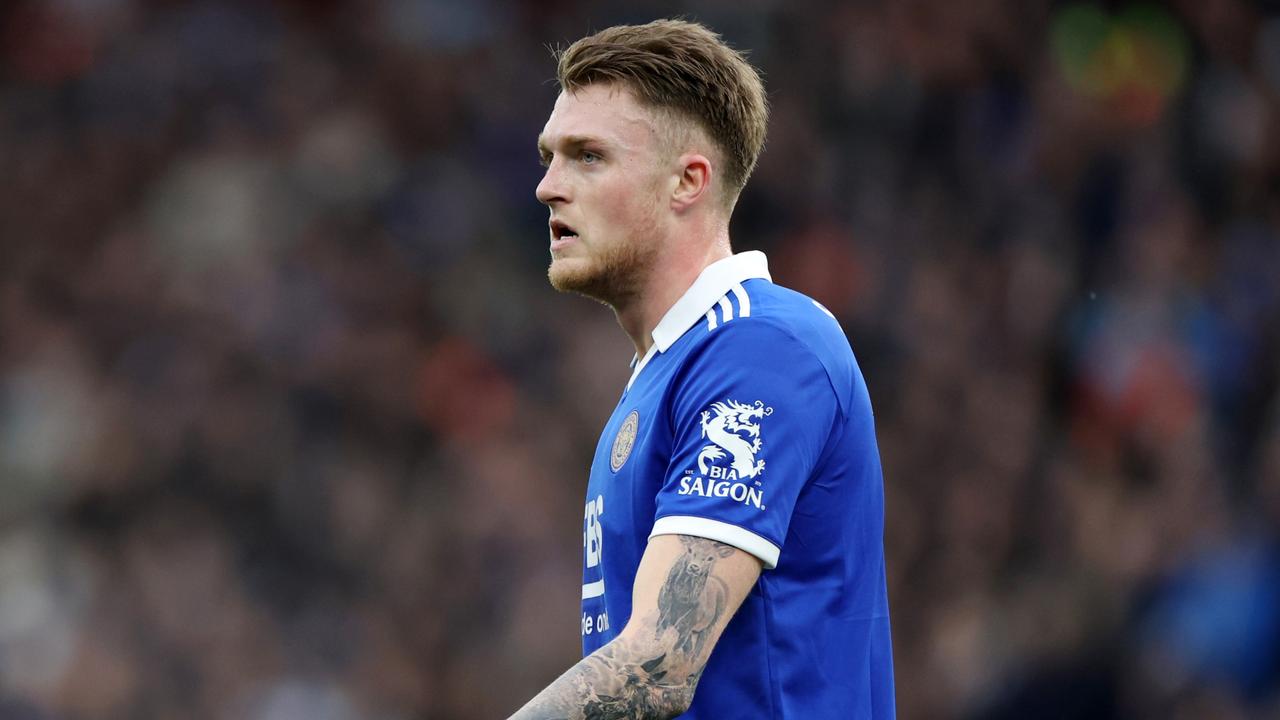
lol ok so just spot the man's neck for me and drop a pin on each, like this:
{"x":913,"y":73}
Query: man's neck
{"x":670,"y":278}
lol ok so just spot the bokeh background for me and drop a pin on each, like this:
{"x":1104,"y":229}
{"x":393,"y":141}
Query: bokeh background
{"x":291,"y":426}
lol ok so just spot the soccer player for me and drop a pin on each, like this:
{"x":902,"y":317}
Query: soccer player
{"x":733,"y":554}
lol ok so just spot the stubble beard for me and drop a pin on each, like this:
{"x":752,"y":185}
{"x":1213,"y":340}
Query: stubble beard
{"x":615,"y":277}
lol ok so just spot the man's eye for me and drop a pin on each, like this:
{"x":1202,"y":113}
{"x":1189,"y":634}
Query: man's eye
{"x":589,"y":157}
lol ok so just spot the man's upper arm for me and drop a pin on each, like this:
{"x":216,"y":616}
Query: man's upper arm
{"x":749,"y":427}
{"x":686,"y":590}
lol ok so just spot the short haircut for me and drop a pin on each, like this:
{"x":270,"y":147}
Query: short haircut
{"x":685,"y":69}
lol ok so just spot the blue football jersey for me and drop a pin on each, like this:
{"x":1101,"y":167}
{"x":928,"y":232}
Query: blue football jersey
{"x":748,"y":422}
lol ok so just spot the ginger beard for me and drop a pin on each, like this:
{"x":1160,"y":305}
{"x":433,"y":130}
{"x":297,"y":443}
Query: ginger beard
{"x":612,"y":274}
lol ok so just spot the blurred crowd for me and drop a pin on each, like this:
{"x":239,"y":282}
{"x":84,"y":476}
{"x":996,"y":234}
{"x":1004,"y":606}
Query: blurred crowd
{"x":292,"y":427}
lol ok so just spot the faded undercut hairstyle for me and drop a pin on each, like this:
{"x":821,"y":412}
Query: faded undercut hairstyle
{"x":684,"y":69}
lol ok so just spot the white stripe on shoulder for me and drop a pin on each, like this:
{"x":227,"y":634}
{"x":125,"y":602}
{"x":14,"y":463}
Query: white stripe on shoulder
{"x":726,"y":310}
{"x":744,"y":302}
{"x":823,"y":308}
{"x":711,"y":320}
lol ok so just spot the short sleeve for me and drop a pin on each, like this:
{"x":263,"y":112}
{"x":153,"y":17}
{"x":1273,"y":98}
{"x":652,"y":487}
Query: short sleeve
{"x":752,"y":411}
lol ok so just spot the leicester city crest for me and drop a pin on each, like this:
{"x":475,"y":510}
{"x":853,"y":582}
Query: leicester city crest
{"x":624,"y":441}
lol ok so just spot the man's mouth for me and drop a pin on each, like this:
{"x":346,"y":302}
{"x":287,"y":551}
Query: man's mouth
{"x":560,"y":230}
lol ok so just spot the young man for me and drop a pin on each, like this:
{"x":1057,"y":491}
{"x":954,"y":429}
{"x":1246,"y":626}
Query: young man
{"x":733,"y":553}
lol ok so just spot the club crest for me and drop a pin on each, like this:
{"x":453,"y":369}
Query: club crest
{"x":734,"y":431}
{"x":624,"y":441}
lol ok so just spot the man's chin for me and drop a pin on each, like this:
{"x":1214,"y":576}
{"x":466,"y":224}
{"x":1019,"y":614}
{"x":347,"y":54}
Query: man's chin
{"x":576,"y":275}
{"x":571,"y":274}
{"x":612,"y":278}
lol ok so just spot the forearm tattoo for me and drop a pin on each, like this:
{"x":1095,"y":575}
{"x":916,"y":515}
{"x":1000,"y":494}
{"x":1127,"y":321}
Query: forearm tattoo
{"x":639,"y":678}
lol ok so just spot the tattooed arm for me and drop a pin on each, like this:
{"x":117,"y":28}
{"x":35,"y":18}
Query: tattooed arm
{"x":686,"y":590}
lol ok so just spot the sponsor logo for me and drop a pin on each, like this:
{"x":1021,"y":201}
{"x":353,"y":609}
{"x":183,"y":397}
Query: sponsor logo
{"x":593,"y":531}
{"x":624,"y":441}
{"x":729,"y":461}
{"x":593,"y":552}
{"x":736,"y":491}
{"x":734,"y":430}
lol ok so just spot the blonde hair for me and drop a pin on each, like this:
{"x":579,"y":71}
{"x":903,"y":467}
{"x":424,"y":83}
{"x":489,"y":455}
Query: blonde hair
{"x":684,"y":69}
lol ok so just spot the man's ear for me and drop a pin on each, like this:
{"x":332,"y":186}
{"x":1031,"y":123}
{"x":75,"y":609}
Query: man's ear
{"x":693,"y":181}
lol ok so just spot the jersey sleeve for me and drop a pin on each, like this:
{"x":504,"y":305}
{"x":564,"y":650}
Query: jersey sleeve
{"x":752,"y":411}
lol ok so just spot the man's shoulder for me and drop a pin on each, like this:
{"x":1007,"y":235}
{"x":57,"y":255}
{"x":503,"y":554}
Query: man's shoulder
{"x":767,"y":317}
{"x":767,"y":330}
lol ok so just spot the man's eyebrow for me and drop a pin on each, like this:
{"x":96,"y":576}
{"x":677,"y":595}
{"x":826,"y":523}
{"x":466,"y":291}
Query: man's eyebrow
{"x":570,"y":141}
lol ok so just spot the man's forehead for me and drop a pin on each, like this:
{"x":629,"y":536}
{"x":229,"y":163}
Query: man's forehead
{"x":600,"y":111}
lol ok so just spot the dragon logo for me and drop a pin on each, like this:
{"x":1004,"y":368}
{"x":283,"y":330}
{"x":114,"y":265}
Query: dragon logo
{"x":734,"y":428}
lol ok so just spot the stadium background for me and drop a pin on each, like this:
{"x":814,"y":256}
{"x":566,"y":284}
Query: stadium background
{"x":292,"y":427}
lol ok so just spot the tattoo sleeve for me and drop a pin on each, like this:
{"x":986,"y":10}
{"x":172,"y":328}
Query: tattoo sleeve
{"x":652,"y":669}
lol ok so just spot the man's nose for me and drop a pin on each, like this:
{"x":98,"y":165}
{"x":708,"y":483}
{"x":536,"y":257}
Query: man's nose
{"x":551,"y":189}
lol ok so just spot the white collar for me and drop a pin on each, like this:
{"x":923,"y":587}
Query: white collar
{"x":713,"y":283}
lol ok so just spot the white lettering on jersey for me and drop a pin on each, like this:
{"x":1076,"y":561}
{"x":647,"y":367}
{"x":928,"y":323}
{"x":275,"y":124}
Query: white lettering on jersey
{"x":593,"y":534}
{"x":708,"y":487}
{"x":595,"y":623}
{"x":593,"y":546}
